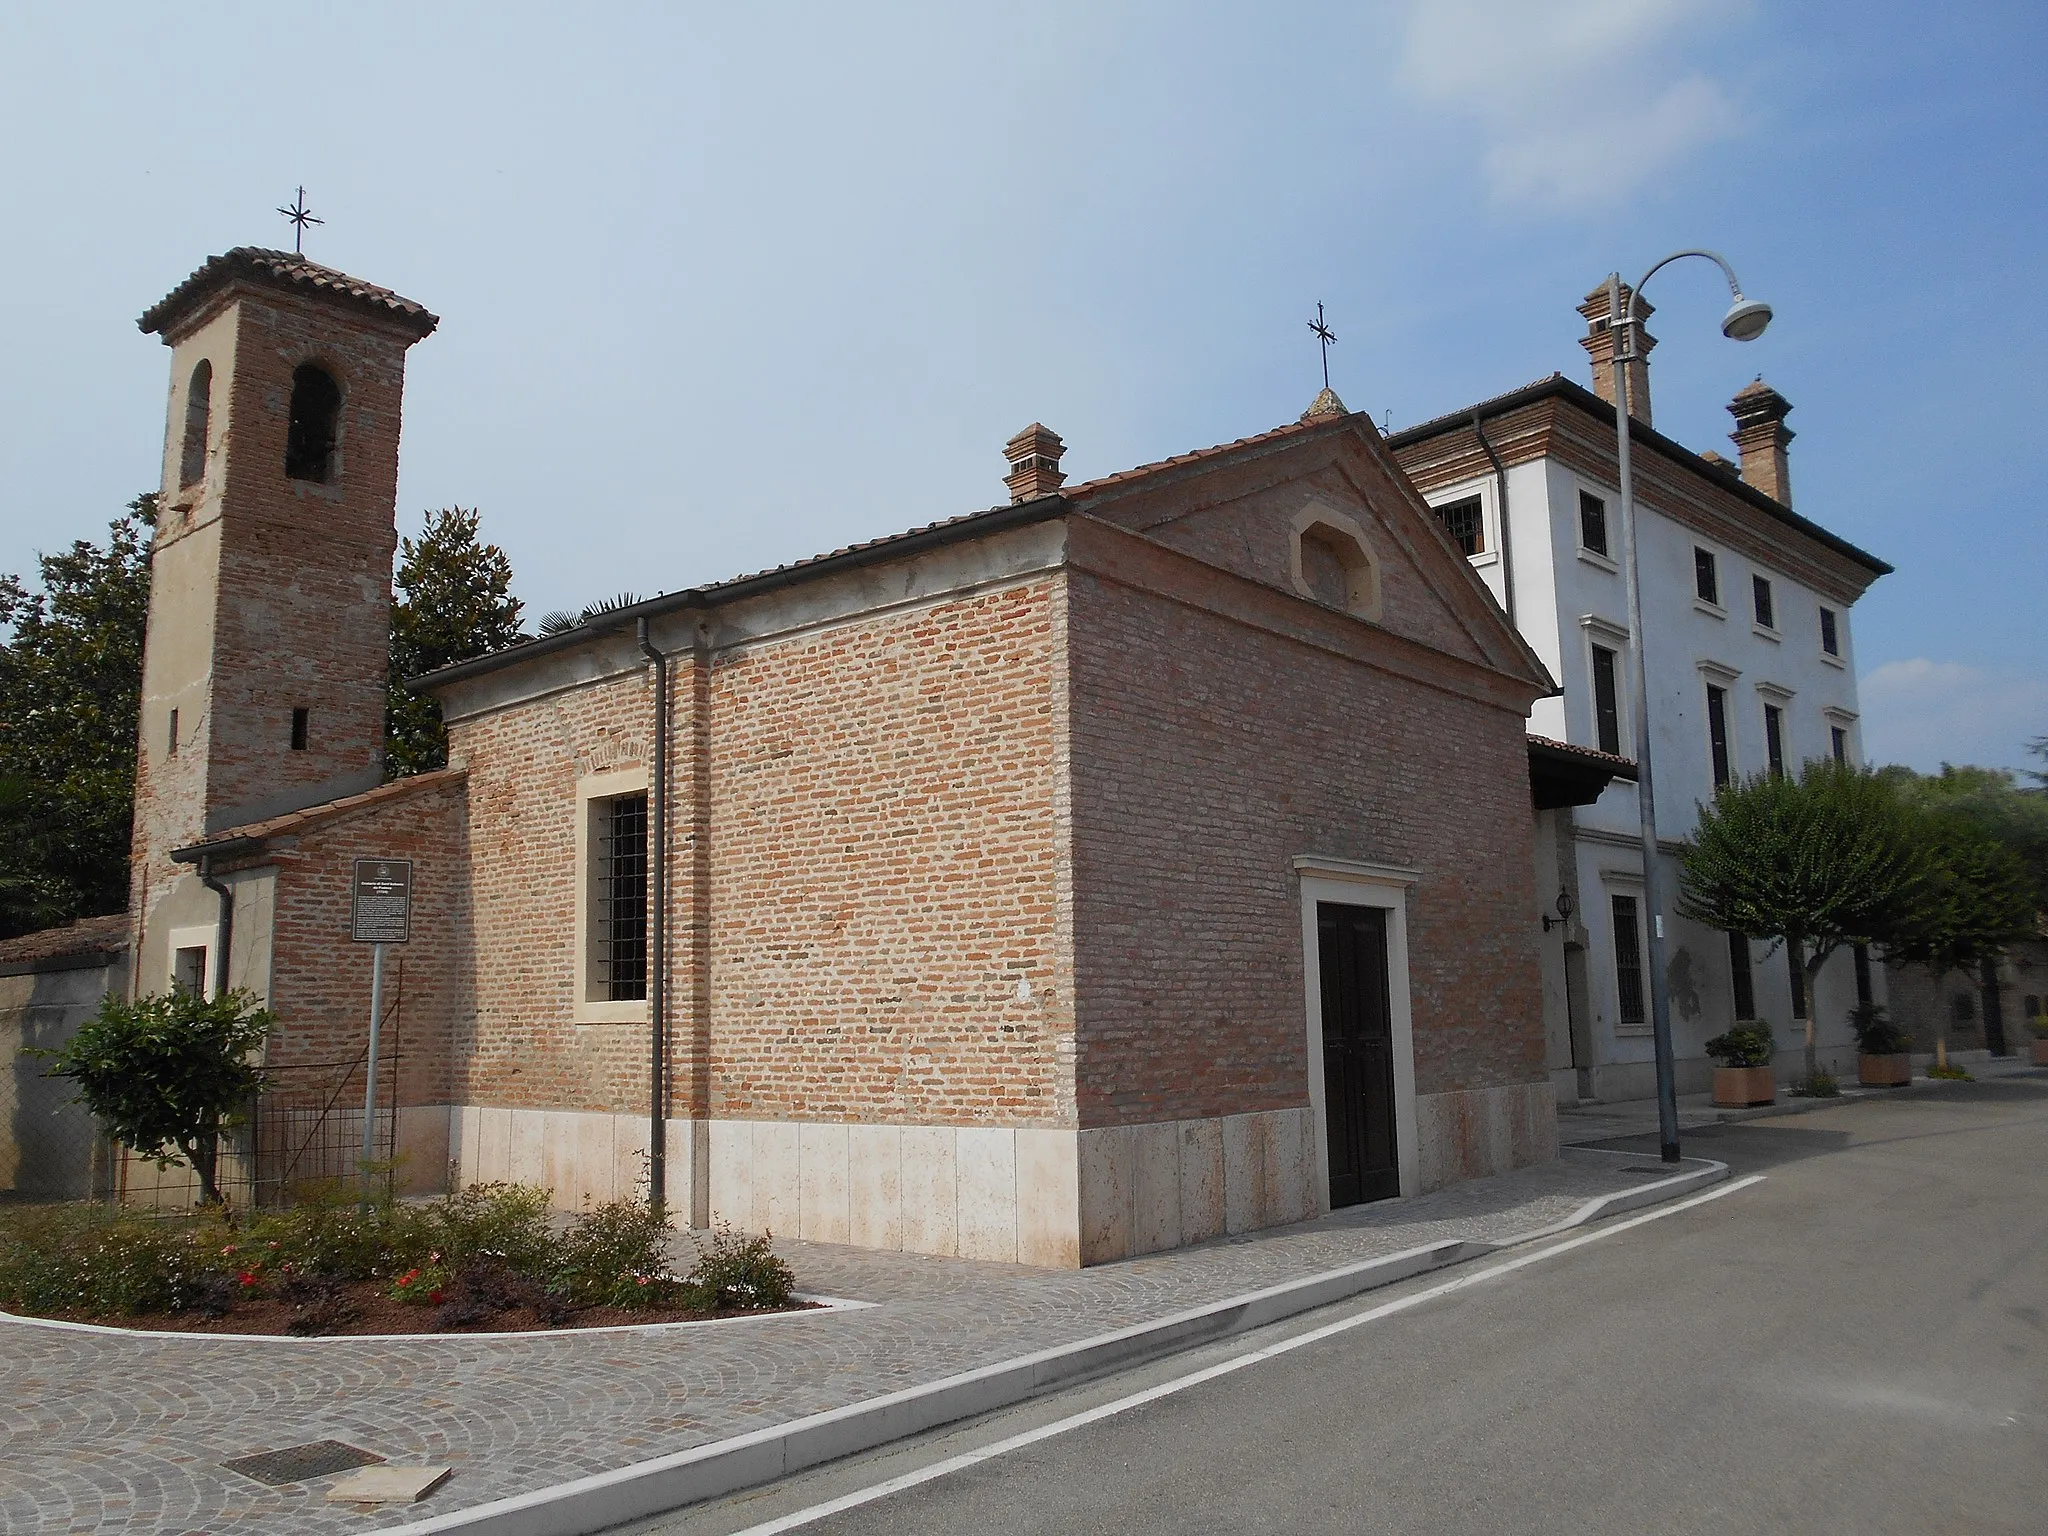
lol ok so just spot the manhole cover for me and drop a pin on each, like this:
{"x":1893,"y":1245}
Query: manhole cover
{"x":296,"y":1463}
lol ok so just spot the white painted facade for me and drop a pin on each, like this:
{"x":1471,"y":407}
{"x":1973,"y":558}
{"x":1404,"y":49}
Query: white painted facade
{"x":1567,"y":599}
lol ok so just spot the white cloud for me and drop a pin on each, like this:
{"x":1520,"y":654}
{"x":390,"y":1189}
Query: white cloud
{"x":1574,"y":100}
{"x":1925,"y":713}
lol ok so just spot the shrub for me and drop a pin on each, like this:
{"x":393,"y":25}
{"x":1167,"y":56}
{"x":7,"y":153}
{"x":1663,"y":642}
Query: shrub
{"x":616,"y":1255}
{"x":320,"y":1304}
{"x":92,"y":1260}
{"x":1821,"y":1085}
{"x":330,"y":1231}
{"x":485,"y":1286}
{"x":421,"y":1287}
{"x":1948,"y":1074}
{"x":506,"y":1222}
{"x":1744,"y":1045}
{"x":1876,"y":1034}
{"x":737,"y":1271}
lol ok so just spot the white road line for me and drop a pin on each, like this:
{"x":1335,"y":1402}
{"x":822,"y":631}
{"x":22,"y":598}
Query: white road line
{"x":952,"y":1464}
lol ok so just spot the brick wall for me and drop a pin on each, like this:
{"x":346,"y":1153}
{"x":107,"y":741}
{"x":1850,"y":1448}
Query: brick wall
{"x":880,"y":861}
{"x":1199,"y":773}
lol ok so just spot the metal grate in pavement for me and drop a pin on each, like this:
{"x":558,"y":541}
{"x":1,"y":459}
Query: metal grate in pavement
{"x":297,"y":1463}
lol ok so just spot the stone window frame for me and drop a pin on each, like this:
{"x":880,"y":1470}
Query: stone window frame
{"x":1843,"y":720}
{"x":1482,"y":492}
{"x":1357,"y":883}
{"x":1718,"y":674}
{"x":1605,"y":559}
{"x":199,"y":936}
{"x":592,"y":790}
{"x":1624,"y":882}
{"x":1610,"y":636}
{"x":1362,"y":571}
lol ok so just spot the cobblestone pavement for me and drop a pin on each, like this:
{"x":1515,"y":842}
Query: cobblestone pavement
{"x":119,"y":1433}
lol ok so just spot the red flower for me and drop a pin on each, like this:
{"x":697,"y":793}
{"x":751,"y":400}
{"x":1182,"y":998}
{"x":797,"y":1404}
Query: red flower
{"x":434,"y":1298}
{"x":247,"y":1278}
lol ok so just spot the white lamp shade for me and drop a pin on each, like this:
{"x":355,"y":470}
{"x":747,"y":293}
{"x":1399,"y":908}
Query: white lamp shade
{"x":1745,"y":320}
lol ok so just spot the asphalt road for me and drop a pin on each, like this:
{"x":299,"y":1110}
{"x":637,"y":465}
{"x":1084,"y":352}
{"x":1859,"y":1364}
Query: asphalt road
{"x":1857,"y":1344}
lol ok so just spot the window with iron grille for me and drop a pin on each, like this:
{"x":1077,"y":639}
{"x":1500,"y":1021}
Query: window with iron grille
{"x":1465,"y":522}
{"x":618,"y":899}
{"x":1606,"y":702}
{"x":1742,"y":982}
{"x":1628,"y":961}
{"x":1766,"y":609}
{"x":1717,"y":735}
{"x":1706,"y":575}
{"x":1774,"y":737}
{"x":1592,"y":523}
{"x":1830,"y":640}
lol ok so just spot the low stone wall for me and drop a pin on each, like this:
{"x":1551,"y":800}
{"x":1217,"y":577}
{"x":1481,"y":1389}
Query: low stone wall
{"x":49,"y":1146}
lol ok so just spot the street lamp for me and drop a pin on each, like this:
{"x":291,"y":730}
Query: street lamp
{"x":1745,"y":321}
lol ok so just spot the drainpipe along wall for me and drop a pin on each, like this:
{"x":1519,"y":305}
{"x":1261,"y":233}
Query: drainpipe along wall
{"x":657,"y":935}
{"x":224,"y":925}
{"x":1500,"y":487}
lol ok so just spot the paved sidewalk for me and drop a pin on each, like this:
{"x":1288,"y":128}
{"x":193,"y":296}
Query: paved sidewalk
{"x":1590,"y":1123}
{"x":121,"y":1433}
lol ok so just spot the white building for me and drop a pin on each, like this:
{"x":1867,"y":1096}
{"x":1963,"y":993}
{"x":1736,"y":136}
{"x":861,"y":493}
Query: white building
{"x":1751,"y":664}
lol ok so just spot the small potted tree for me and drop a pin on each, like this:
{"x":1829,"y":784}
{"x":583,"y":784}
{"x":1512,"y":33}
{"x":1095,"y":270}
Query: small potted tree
{"x":1743,"y":1076}
{"x":1884,"y":1052}
{"x":2039,"y":1025}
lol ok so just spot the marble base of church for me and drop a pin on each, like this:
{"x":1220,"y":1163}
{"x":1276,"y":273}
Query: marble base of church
{"x":1043,"y":1195}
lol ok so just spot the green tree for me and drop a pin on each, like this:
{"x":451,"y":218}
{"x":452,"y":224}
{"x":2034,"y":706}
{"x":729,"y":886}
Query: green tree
{"x":1991,"y":800}
{"x":1820,"y":861}
{"x":453,"y":601}
{"x":70,"y":683}
{"x":1977,"y":899}
{"x":166,"y":1075}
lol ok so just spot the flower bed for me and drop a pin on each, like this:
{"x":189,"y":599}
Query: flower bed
{"x":490,"y":1258}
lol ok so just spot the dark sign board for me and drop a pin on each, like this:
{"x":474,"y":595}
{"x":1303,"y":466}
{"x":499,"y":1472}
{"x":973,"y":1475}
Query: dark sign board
{"x":383,"y":904}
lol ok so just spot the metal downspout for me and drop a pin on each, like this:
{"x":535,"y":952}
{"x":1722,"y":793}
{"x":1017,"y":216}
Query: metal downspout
{"x":1507,"y":544}
{"x":657,"y":946}
{"x":224,"y":925}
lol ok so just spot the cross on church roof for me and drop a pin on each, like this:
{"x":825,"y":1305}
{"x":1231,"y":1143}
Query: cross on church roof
{"x":1326,"y":336}
{"x":300,"y":216}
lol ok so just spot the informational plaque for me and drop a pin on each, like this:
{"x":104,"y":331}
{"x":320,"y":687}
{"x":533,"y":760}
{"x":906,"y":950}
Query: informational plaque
{"x":383,"y":901}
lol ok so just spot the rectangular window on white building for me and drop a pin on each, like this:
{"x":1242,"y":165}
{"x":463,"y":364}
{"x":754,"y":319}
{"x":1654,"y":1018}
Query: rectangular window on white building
{"x":1830,"y":641}
{"x":1592,"y":523}
{"x":1465,"y":522}
{"x":1774,"y":738}
{"x":1706,"y":576}
{"x":1628,"y":962}
{"x":1766,"y":609}
{"x":1606,"y":702}
{"x":1838,"y":743}
{"x":1717,"y":733}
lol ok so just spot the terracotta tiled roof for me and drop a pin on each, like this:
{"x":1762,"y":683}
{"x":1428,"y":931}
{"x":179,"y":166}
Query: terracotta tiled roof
{"x":1622,"y":767}
{"x":88,"y":936}
{"x":292,"y":822}
{"x":291,"y":274}
{"x":1124,"y":477}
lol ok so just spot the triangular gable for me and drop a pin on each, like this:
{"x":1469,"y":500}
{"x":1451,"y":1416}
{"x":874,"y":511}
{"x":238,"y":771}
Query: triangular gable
{"x":1241,"y":507}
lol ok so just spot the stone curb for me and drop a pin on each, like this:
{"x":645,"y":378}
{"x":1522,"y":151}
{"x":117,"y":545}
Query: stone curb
{"x":665,"y":1483}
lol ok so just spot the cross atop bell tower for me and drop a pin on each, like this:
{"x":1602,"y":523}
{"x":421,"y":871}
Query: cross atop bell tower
{"x":264,"y":670}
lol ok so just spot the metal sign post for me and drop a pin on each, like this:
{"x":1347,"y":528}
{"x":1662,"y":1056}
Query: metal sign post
{"x":381,"y":914}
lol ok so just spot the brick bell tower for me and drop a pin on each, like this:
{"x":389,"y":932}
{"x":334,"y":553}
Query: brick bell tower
{"x":264,"y":669}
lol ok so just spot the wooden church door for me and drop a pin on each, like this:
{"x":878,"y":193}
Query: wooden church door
{"x":1358,"y":1054}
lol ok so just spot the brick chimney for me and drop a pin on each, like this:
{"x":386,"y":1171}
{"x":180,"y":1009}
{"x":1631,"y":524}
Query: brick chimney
{"x":1034,"y":456}
{"x":1599,"y":344}
{"x":1760,"y":432}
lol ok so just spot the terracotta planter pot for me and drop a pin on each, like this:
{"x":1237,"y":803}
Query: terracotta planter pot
{"x":1885,"y":1071}
{"x":2041,"y":1053}
{"x":1740,"y":1087}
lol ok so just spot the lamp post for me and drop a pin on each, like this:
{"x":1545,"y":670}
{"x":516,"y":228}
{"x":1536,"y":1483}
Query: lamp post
{"x":1745,"y":321}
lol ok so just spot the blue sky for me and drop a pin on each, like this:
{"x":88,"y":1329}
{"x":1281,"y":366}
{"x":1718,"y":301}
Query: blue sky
{"x":725,"y":286}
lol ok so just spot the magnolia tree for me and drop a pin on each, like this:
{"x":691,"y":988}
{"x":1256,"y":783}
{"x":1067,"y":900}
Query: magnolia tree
{"x":1827,"y":859}
{"x":167,"y":1075}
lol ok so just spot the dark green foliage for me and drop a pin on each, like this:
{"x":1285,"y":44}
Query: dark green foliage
{"x":166,"y":1075}
{"x":1989,"y":800}
{"x":484,"y":1287}
{"x":330,"y":1230}
{"x":70,"y":682}
{"x":1876,"y":1034}
{"x":1821,"y":1085}
{"x":452,"y":601}
{"x":1942,"y":1072}
{"x":506,"y":1222}
{"x":1826,"y":859}
{"x":103,"y":1261}
{"x":734,"y":1270}
{"x":1744,"y":1045}
{"x":616,"y":1255}
{"x":559,"y":622}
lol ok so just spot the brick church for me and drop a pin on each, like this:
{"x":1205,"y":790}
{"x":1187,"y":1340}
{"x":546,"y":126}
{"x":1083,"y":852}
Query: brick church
{"x":1115,"y":868}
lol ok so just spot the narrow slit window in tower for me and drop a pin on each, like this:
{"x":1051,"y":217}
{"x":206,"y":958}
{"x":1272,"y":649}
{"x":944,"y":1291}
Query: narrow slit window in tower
{"x":301,"y":720}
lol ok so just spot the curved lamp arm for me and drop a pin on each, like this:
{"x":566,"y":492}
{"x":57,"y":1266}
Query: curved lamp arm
{"x":1746,"y":318}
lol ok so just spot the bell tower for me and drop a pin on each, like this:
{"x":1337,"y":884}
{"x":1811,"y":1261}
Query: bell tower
{"x":264,"y":669}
